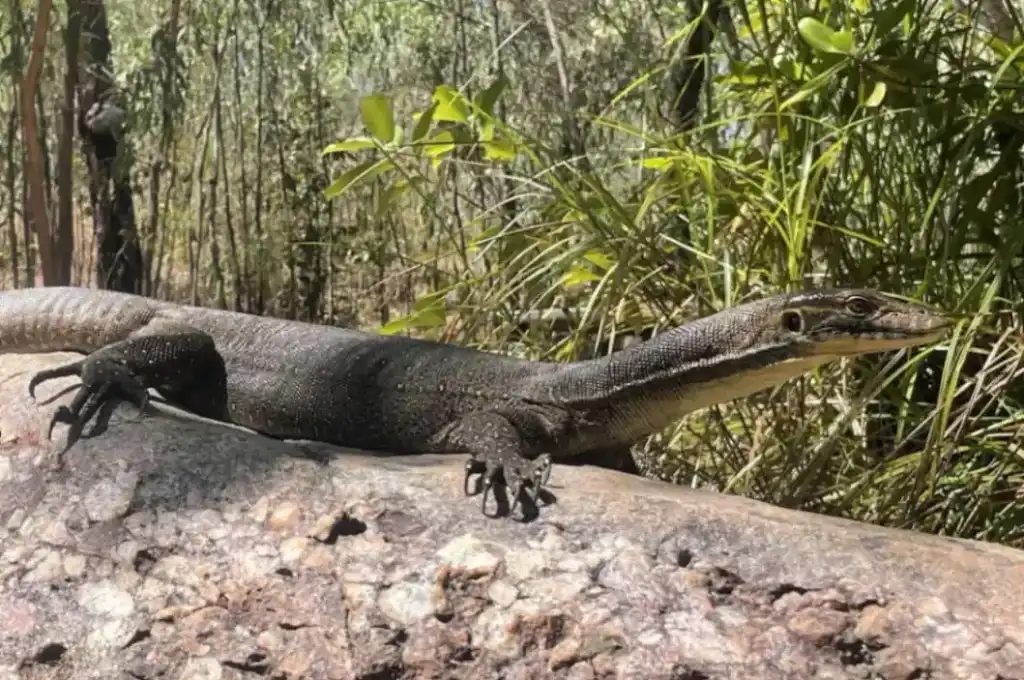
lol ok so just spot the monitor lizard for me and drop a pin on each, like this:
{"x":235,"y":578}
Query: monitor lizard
{"x":403,"y":395}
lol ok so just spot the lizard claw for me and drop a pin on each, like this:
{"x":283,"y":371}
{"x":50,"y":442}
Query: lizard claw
{"x":523,"y":478}
{"x":473,"y":466}
{"x":74,"y":368}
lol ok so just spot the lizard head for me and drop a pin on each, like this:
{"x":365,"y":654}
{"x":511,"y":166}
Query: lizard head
{"x":843,"y":322}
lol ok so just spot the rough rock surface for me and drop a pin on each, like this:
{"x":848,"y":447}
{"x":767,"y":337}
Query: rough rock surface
{"x":170,"y":548}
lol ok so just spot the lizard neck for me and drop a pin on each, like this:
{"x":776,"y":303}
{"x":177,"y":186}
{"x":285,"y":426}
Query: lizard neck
{"x":644,"y":389}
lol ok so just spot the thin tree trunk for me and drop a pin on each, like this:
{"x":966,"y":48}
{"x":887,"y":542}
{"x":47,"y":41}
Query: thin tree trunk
{"x":12,"y":172}
{"x":168,"y":51}
{"x":261,"y":275}
{"x":119,"y":263}
{"x":65,"y":238}
{"x":198,"y":233}
{"x":36,"y":207}
{"x":572,"y":140}
{"x":247,"y":254}
{"x":217,"y":268}
{"x":221,"y":166}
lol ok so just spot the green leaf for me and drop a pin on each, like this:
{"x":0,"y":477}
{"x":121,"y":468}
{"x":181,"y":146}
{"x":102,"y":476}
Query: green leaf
{"x":378,"y":117}
{"x":578,"y":276}
{"x":426,"y":119}
{"x":441,"y":143}
{"x":428,"y":312}
{"x":824,"y":39}
{"x":809,"y":88}
{"x":500,"y":150}
{"x":451,"y":105}
{"x":352,"y":144}
{"x":429,"y":301}
{"x":361,"y":172}
{"x":599,"y":259}
{"x":663,"y":163}
{"x":891,"y":16}
{"x":803,"y":93}
{"x":489,"y":97}
{"x":876,"y":96}
{"x":428,"y":319}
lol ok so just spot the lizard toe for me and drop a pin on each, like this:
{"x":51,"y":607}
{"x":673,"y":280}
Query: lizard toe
{"x":474,"y":466}
{"x":84,"y":406}
{"x":74,"y":368}
{"x":489,"y":480}
{"x":541,"y":471}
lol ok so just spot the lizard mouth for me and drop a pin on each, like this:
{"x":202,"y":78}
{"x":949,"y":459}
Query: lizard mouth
{"x":879,"y":341}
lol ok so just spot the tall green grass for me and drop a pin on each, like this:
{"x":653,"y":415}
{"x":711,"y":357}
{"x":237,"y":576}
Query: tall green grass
{"x":844,"y":143}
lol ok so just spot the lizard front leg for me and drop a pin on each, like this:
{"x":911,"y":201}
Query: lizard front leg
{"x":500,"y":447}
{"x":182,"y":363}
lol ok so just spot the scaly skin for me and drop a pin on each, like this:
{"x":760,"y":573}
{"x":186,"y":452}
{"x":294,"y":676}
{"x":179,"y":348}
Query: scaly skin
{"x":296,"y":380}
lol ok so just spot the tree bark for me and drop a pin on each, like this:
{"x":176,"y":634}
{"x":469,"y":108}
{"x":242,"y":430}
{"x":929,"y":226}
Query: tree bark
{"x":118,"y":256}
{"x":36,"y":207}
{"x":687,"y":75}
{"x":64,"y":238}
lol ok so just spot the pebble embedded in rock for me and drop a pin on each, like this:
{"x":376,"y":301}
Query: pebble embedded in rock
{"x":469,"y":552}
{"x":407,"y":603}
{"x":523,"y":564}
{"x":492,"y":630}
{"x":49,"y":568}
{"x":105,"y":600}
{"x":202,"y":668}
{"x":284,"y":516}
{"x":292,"y":549}
{"x":110,"y":499}
{"x":819,"y":626}
{"x":502,"y":593}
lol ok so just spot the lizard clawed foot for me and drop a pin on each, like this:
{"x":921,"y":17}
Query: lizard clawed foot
{"x":524,"y":478}
{"x":101,"y":380}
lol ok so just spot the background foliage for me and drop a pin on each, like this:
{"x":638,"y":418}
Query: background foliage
{"x":444,"y":168}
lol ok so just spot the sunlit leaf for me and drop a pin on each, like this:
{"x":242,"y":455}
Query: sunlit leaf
{"x":876,"y":96}
{"x":361,"y":172}
{"x":451,"y":105}
{"x":578,"y":276}
{"x":441,"y":143}
{"x":599,"y":259}
{"x":499,"y":150}
{"x":824,"y":39}
{"x":377,"y":116}
{"x":352,"y":144}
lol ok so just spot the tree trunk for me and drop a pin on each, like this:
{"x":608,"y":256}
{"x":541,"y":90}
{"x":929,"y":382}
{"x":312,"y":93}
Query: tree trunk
{"x":108,"y":157}
{"x":36,"y":207}
{"x":688,"y":73}
{"x":64,"y":240}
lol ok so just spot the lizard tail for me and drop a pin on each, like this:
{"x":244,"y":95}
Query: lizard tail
{"x":54,"y":319}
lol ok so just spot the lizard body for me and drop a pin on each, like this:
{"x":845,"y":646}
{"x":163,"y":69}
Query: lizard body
{"x":292,"y":379}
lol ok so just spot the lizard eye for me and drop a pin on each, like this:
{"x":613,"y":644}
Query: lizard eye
{"x":858,"y":306}
{"x":792,"y":321}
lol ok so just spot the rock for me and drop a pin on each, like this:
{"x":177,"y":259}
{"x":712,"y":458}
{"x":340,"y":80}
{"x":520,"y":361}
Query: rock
{"x":171,"y":547}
